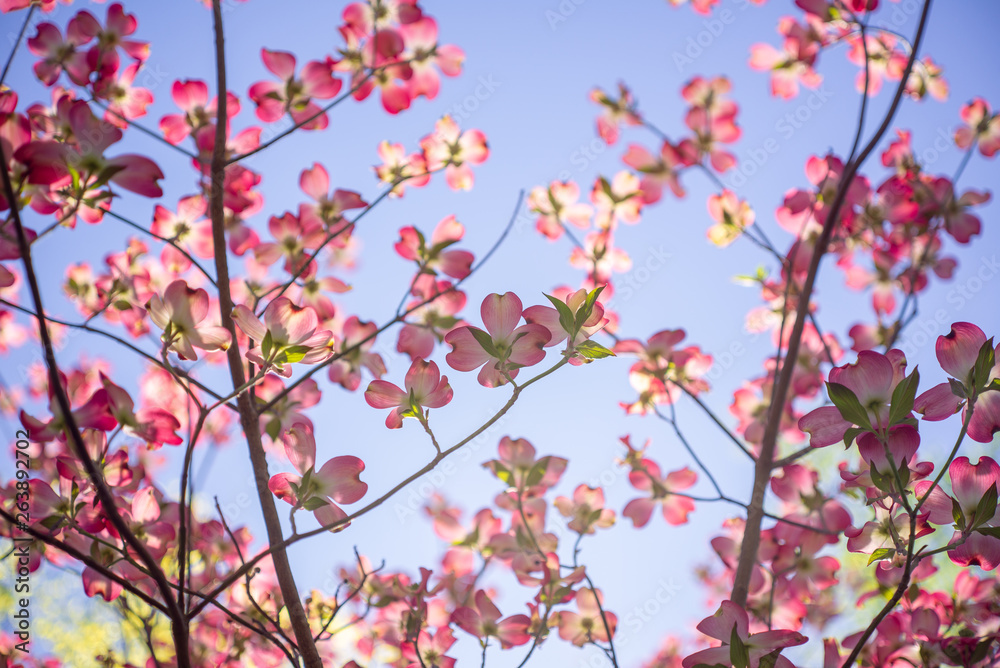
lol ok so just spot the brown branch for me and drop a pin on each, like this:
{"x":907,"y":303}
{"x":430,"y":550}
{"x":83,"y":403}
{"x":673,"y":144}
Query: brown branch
{"x":762,"y":472}
{"x":248,"y":412}
{"x":178,"y":625}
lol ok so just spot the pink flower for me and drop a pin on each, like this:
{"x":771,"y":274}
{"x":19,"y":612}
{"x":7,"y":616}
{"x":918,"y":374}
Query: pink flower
{"x":484,"y":622}
{"x":450,"y":148}
{"x":970,"y":485}
{"x":353,"y":353}
{"x":425,"y":388}
{"x":53,"y":163}
{"x":646,"y":477}
{"x":616,"y":112}
{"x":59,"y":54}
{"x":794,"y":63}
{"x":399,"y":169}
{"x":731,"y":216}
{"x":982,"y":126}
{"x":730,"y":617}
{"x":432,"y":650}
{"x":587,"y":625}
{"x":657,"y":172}
{"x":430,"y":322}
{"x":586,"y":508}
{"x":94,"y":412}
{"x":872,"y":380}
{"x":293,"y":95}
{"x":958,"y":353}
{"x":504,"y":349}
{"x":180,"y":313}
{"x":423,"y":52}
{"x":154,"y":425}
{"x":319,"y":491}
{"x":518,"y":468}
{"x":291,"y":334}
{"x":187,"y":228}
{"x":434,"y":256}
{"x":329,"y":208}
{"x":557,"y":205}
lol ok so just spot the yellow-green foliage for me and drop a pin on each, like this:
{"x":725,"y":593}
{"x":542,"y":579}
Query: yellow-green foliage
{"x":67,"y":625}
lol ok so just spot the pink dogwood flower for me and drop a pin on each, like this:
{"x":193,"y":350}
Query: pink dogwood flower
{"x":959,"y":352}
{"x":557,"y":205}
{"x":293,"y":95}
{"x":982,"y":126}
{"x":435,"y":256}
{"x":731,"y":216}
{"x":318,"y":491}
{"x":974,"y":486}
{"x":54,"y":163}
{"x":657,"y":172}
{"x":289,"y":334}
{"x":867,"y":403}
{"x":586,"y":508}
{"x":731,"y":622}
{"x":587,"y":625}
{"x":453,"y":150}
{"x":646,"y":477}
{"x":484,"y":622}
{"x":518,"y":468}
{"x":616,"y":112}
{"x":181,"y":313}
{"x":501,"y":350}
{"x":425,"y":388}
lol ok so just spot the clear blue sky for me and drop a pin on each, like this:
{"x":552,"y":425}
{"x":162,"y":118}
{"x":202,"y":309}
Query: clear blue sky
{"x":540,"y":126}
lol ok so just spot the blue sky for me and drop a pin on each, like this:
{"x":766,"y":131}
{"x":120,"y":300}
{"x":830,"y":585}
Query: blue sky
{"x":528,"y":71}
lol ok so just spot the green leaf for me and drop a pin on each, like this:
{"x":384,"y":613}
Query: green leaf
{"x":880,"y":554}
{"x":989,"y":531}
{"x":739,"y":655}
{"x":957,"y":388}
{"x":266,"y":345}
{"x":293,"y":354}
{"x":769,"y":660}
{"x":537,"y":472}
{"x":593,"y":350}
{"x":848,"y":405}
{"x":979,"y":653}
{"x":903,"y":396}
{"x":995,"y":385}
{"x":567,"y":320}
{"x":485,"y":341}
{"x":315,"y":503}
{"x":852,"y":434}
{"x":986,"y":508}
{"x":957,"y":514}
{"x":882,"y":482}
{"x":273,"y":428}
{"x":500,"y":471}
{"x":587,"y":309}
{"x":984,"y":365}
{"x":904,"y":474}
